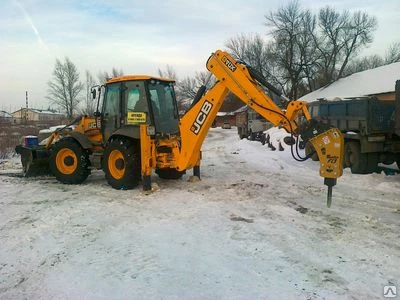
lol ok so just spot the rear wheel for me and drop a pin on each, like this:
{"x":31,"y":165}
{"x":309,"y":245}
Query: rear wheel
{"x":69,"y":162}
{"x":122,"y":164}
{"x":252,"y":136}
{"x":169,"y":173}
{"x":360,"y":163}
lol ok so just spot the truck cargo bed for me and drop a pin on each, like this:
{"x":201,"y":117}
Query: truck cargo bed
{"x":366,"y":116}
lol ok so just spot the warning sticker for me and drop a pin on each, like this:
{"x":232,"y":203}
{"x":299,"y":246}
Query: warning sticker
{"x":326,"y":140}
{"x":136,"y":117}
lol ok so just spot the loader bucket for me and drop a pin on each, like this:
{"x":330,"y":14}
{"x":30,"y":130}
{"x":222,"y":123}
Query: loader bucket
{"x":35,"y":160}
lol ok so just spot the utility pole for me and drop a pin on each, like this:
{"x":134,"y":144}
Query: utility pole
{"x":26,"y":108}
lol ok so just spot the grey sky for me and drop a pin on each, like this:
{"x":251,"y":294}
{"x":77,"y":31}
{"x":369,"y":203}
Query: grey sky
{"x":137,"y":36}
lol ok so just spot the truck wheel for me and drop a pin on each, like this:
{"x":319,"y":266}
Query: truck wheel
{"x":241,"y":136}
{"x":398,"y":164}
{"x":69,"y":162}
{"x":252,"y":136}
{"x":122,"y":165}
{"x":354,"y":159}
{"x":263,"y":139}
{"x":170,"y":173}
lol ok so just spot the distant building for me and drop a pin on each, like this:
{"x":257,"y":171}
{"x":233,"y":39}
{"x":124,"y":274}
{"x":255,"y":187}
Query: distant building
{"x":36,"y":115}
{"x":5,"y":117}
{"x":224,"y":117}
{"x":378,"y":82}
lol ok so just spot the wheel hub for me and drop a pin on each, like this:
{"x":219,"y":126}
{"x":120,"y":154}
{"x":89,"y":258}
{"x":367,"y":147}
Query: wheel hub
{"x":69,"y":161}
{"x":66,"y":161}
{"x":120,"y":164}
{"x":116,"y":164}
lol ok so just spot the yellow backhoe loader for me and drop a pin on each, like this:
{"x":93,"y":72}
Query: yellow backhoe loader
{"x":139,"y":130}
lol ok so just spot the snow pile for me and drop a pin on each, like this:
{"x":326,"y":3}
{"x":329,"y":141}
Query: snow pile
{"x":55,"y":128}
{"x":276,"y":136}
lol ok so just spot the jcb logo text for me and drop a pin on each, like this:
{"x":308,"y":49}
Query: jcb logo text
{"x":201,"y":117}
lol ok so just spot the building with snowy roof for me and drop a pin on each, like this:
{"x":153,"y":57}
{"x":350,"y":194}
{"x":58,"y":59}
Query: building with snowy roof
{"x":378,"y":82}
{"x":31,"y":114}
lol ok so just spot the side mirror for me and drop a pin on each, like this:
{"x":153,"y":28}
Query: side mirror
{"x":94,"y":93}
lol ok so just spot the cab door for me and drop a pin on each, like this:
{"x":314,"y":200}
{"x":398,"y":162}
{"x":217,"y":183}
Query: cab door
{"x":111,"y":119}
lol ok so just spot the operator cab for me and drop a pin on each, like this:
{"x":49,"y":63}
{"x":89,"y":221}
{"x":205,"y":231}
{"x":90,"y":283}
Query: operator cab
{"x":133,"y":100}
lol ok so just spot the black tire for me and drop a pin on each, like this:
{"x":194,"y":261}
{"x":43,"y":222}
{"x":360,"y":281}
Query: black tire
{"x":69,"y":162}
{"x":263,"y":139}
{"x":240,"y":130}
{"x":121,"y":164}
{"x":309,"y":149}
{"x":252,"y":136}
{"x":357,"y":161}
{"x":398,"y":164}
{"x":169,"y":173}
{"x":267,"y":139}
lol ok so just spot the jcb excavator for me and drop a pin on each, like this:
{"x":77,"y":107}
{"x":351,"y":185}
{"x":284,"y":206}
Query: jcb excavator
{"x":139,"y":130}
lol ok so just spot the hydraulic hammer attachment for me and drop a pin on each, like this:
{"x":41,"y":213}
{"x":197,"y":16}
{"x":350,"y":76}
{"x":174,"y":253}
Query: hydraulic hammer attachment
{"x":329,"y":146}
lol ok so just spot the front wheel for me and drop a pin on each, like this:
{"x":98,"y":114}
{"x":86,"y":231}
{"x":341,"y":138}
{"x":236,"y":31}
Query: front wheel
{"x":122,"y":165}
{"x":69,"y":162}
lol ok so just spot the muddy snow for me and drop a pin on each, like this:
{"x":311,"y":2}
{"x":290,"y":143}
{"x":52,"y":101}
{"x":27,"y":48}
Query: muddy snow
{"x":255,"y":227}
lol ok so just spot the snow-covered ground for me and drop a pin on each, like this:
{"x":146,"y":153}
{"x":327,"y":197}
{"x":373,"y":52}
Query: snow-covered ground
{"x":255,"y":227}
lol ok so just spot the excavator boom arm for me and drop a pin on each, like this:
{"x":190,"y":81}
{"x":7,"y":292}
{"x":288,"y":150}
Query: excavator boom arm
{"x":239,"y":79}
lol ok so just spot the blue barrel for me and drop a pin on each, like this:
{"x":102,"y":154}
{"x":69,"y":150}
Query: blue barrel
{"x":31,"y":141}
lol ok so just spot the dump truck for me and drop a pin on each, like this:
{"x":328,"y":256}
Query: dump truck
{"x":371,"y":129}
{"x":251,"y":125}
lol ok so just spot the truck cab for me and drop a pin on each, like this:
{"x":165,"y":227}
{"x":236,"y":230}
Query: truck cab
{"x":251,"y":125}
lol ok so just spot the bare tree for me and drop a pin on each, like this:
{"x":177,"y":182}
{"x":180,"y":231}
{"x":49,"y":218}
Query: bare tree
{"x":393,"y":53}
{"x":310,"y":51}
{"x":169,"y":72}
{"x":373,"y":61}
{"x":363,"y":63}
{"x":90,"y":104}
{"x":65,"y":87}
{"x":327,"y":42}
{"x":253,"y":50}
{"x":104,"y":75}
{"x":186,"y":89}
{"x":357,"y":34}
{"x":291,"y":28}
{"x":189,"y":86}
{"x":341,"y":37}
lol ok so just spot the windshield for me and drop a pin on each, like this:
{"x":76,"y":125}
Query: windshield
{"x":164,"y":107}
